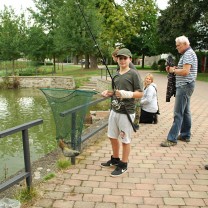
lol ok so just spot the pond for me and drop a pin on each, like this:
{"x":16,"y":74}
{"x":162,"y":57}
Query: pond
{"x":18,"y":107}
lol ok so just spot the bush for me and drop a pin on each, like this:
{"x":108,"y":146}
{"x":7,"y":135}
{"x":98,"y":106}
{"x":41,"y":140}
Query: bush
{"x":10,"y":84}
{"x":26,"y":72}
{"x":162,"y":66}
{"x":154,"y":66}
{"x":161,"y":61}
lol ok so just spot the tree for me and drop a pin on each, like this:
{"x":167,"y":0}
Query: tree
{"x":144,"y":40}
{"x":10,"y":35}
{"x":73,"y":33}
{"x":46,"y":15}
{"x":36,"y":42}
{"x":202,"y":29}
{"x":182,"y":17}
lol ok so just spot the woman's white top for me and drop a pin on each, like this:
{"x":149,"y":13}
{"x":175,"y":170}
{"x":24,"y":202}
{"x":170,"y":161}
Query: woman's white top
{"x":149,"y":100}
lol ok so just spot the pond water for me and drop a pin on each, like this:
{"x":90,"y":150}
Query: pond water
{"x":18,"y":107}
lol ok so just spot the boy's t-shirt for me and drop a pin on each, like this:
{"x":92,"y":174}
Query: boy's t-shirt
{"x":132,"y":66}
{"x":129,"y":82}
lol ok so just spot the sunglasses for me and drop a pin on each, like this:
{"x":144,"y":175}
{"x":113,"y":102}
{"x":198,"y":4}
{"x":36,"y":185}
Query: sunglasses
{"x":122,"y":57}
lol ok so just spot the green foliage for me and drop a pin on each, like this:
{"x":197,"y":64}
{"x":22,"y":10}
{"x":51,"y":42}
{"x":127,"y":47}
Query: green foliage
{"x":162,"y":66}
{"x":37,"y":45}
{"x":26,"y":72}
{"x":73,"y":32}
{"x":183,"y":17}
{"x":102,"y":106}
{"x":49,"y":176}
{"x":10,"y":83}
{"x":143,"y":14}
{"x":154,"y":66}
{"x":63,"y":163}
{"x":25,"y":195}
{"x":202,"y":77}
{"x":11,"y":35}
{"x":46,"y":15}
{"x":161,"y":61}
{"x":80,"y":81}
{"x":58,"y":29}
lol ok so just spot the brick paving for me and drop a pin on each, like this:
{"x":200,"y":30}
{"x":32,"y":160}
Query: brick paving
{"x":157,"y":177}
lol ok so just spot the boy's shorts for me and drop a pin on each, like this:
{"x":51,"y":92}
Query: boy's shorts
{"x":119,"y":126}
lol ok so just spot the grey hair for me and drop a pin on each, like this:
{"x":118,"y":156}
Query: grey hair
{"x":182,"y":39}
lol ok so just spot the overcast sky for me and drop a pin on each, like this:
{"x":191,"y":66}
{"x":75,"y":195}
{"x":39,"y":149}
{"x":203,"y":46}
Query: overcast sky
{"x":17,"y":5}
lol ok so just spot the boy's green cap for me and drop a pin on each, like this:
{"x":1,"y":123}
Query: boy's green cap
{"x":124,"y":52}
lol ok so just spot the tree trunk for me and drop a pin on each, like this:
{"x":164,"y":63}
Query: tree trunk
{"x":87,"y":64}
{"x":93,"y":62}
{"x":13,"y":67}
{"x":75,"y":60}
{"x":143,"y":61}
{"x":54,"y":64}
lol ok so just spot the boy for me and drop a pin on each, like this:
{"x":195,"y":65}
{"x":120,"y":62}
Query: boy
{"x":137,"y":101}
{"x":127,"y":88}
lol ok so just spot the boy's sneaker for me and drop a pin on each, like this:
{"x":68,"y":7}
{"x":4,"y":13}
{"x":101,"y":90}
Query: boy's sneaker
{"x":120,"y":169}
{"x":183,"y":139}
{"x":111,"y":162}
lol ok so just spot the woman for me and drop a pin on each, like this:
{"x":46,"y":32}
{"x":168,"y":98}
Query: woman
{"x":149,"y":102}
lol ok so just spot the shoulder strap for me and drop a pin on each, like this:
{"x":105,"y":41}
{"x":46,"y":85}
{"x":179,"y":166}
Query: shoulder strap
{"x":157,"y":99}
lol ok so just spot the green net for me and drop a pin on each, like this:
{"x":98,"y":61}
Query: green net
{"x":68,"y":127}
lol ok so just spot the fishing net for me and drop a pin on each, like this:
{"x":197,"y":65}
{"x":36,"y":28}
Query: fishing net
{"x":69,"y":125}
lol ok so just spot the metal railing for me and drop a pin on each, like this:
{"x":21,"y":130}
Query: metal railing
{"x":88,"y":135}
{"x":25,"y":139}
{"x":104,"y":72}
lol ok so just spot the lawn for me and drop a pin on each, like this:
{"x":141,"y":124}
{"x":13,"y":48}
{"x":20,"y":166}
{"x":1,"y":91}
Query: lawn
{"x":200,"y":76}
{"x":76,"y":71}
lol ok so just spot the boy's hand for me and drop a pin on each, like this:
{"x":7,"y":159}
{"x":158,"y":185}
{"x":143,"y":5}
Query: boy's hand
{"x":107,"y":93}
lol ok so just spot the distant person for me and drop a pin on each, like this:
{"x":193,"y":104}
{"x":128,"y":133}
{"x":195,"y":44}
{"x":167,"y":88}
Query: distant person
{"x":127,"y":88}
{"x":149,"y":102}
{"x":186,"y":73}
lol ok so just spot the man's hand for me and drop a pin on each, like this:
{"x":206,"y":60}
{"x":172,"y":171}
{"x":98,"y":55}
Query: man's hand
{"x":172,"y":69}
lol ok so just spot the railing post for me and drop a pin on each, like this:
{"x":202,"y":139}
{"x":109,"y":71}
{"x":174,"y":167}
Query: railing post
{"x":26,"y":149}
{"x":73,"y":135}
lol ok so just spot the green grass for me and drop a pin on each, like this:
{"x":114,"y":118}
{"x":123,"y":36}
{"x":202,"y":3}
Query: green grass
{"x":49,"y":176}
{"x":200,"y":76}
{"x":63,"y":164}
{"x":25,"y":195}
{"x":80,"y":75}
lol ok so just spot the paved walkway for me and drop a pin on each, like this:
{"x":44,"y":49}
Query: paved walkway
{"x":157,"y":177}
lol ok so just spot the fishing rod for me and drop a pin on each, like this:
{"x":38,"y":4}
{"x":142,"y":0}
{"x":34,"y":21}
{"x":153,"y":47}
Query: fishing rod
{"x":104,"y":62}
